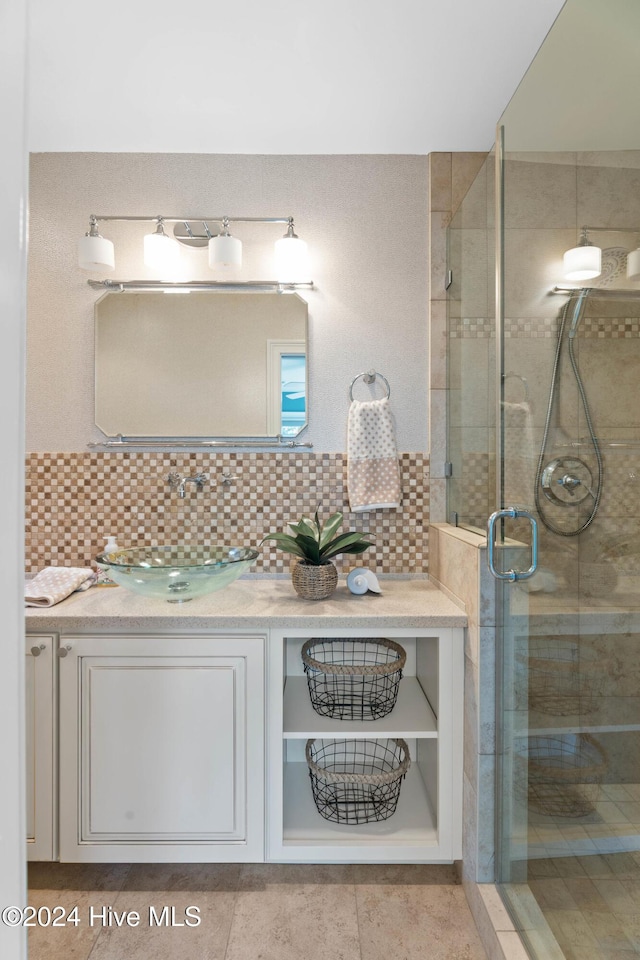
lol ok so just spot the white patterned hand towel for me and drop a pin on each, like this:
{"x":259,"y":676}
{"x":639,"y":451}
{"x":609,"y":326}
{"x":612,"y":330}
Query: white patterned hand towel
{"x":373,"y":471}
{"x":53,"y":584}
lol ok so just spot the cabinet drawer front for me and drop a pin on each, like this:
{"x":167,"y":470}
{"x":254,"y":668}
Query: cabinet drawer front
{"x":162,"y":749}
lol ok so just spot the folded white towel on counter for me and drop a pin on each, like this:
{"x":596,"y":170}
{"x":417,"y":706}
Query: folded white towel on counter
{"x":53,"y":584}
{"x":373,"y":471}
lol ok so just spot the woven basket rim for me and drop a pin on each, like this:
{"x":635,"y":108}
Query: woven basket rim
{"x":370,"y":778}
{"x":347,"y":669}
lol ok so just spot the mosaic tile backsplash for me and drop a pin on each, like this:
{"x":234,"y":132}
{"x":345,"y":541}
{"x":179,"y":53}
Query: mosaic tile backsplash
{"x":75,"y":500}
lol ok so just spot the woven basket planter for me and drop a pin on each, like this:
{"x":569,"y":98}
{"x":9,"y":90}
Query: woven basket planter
{"x":314,"y":582}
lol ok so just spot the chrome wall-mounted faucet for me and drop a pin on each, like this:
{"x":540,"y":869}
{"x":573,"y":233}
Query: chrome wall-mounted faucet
{"x":175,"y":480}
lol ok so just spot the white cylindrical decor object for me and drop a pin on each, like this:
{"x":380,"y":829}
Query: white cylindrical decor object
{"x":225,"y":251}
{"x":633,"y":264}
{"x":160,"y":251}
{"x":582,"y":263}
{"x":96,"y":253}
{"x":292,"y":260}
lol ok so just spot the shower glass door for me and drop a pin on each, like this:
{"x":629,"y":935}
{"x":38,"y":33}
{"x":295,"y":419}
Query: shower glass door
{"x":569,"y":785}
{"x":568,"y":453}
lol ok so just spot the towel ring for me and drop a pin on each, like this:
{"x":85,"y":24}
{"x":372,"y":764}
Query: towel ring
{"x":369,"y":376}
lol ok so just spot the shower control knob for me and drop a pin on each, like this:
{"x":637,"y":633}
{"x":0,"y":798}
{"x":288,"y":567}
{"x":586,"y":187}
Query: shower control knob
{"x":569,"y":483}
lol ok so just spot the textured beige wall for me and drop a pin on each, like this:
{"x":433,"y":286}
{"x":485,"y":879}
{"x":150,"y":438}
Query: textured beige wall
{"x":364,"y":217}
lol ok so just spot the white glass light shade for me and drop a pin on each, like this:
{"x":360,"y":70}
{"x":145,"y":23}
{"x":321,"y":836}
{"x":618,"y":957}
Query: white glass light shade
{"x":225,"y":252}
{"x":292,"y":260}
{"x":96,"y":253}
{"x":160,"y":251}
{"x":633,"y":264}
{"x":582,"y":263}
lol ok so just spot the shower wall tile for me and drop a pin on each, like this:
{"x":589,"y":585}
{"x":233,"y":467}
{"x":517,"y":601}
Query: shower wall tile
{"x":450,"y":175}
{"x":471,"y":328}
{"x":469,"y":183}
{"x":608,"y":195}
{"x":610,"y":370}
{"x":529,"y":361}
{"x":440,"y":181}
{"x":470,"y":728}
{"x":539,"y":194}
{"x":438,"y":499}
{"x":437,"y":432}
{"x":469,"y":831}
{"x":458,"y":567}
{"x":470,"y":382}
{"x":609,"y":328}
{"x":469,"y":257}
{"x":627,"y":159}
{"x":487,"y":690}
{"x":438,"y":343}
{"x":485,"y":871}
{"x":74,"y":500}
{"x":438,"y":223}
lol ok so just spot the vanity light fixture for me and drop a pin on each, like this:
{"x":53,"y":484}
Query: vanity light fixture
{"x":160,"y":251}
{"x":633,"y":264}
{"x":583,"y":262}
{"x":292,"y":257}
{"x":225,"y":251}
{"x":94,"y":252}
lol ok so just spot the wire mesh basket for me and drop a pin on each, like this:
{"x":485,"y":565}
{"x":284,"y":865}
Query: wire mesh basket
{"x":565,"y":773}
{"x":356,"y":781}
{"x":353,"y":679}
{"x":565,"y":678}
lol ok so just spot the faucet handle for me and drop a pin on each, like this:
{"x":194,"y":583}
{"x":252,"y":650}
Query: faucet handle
{"x":173,"y":479}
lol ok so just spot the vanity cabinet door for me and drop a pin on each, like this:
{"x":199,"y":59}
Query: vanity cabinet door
{"x":161,"y":748}
{"x":40,"y":735}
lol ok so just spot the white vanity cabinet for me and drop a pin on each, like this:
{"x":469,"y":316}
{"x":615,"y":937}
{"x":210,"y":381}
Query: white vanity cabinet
{"x":178,"y":731}
{"x":161,"y":748}
{"x":41,"y":741}
{"x":426,"y":826}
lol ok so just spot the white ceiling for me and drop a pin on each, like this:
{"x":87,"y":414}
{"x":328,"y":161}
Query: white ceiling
{"x":277,"y":76}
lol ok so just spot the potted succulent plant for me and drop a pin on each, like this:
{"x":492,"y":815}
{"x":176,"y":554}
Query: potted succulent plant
{"x":314,"y":576}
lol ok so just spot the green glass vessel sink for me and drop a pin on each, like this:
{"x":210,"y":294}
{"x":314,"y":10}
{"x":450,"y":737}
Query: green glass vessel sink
{"x":177,"y":573}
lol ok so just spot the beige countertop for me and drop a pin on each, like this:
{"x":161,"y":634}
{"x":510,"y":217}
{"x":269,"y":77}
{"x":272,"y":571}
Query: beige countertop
{"x":250,"y":603}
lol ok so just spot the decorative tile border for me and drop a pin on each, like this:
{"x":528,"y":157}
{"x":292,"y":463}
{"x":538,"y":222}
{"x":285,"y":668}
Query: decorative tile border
{"x":609,"y":328}
{"x":474,"y":328}
{"x":74,"y":500}
{"x":545,"y":328}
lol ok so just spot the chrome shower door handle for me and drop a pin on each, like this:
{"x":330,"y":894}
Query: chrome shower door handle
{"x":511,"y":514}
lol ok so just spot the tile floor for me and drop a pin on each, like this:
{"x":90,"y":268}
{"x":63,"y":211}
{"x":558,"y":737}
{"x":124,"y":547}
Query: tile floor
{"x":256,"y":912}
{"x":586,"y":876}
{"x":592,"y":904}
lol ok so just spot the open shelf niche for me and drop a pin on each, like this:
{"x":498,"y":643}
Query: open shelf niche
{"x":428,"y":715}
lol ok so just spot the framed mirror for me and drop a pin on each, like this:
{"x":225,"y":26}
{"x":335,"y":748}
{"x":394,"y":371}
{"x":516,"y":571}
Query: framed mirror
{"x":201,"y":364}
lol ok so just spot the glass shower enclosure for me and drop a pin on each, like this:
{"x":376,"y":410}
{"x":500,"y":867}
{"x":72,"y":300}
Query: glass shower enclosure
{"x":544,"y":426}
